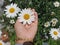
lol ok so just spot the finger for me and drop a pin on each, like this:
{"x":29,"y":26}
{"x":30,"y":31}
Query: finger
{"x":36,"y":16}
{"x":33,"y":10}
{"x":27,"y":26}
{"x":36,"y":19}
{"x":35,"y":23}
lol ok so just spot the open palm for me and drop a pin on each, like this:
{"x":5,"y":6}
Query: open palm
{"x":26,"y":32}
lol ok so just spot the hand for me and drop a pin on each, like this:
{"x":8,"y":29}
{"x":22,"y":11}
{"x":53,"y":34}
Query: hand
{"x":26,"y":32}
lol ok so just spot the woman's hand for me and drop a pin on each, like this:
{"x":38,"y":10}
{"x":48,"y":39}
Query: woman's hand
{"x":26,"y":32}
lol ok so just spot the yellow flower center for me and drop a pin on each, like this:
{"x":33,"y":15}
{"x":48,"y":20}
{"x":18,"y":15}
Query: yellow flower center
{"x":46,"y":23}
{"x":54,"y":20}
{"x":55,"y":33}
{"x":26,"y":16}
{"x":0,"y":43}
{"x":11,"y":10}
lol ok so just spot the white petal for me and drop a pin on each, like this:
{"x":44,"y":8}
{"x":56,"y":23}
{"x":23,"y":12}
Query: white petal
{"x":29,"y":22}
{"x":24,"y":22}
{"x":55,"y":38}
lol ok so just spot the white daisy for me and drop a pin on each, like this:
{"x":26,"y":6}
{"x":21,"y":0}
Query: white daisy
{"x":56,"y":4}
{"x":12,"y":21}
{"x":11,"y":10}
{"x":53,"y":24}
{"x":47,"y":24}
{"x":1,"y":42}
{"x":0,"y":33}
{"x":52,"y":13}
{"x":26,"y":16}
{"x":54,"y":20}
{"x":55,"y":33}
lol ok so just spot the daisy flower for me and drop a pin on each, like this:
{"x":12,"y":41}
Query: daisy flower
{"x":1,"y":42}
{"x":11,"y":10}
{"x":54,"y":20}
{"x":26,"y":16}
{"x":52,"y":13}
{"x":47,"y":24}
{"x":12,"y":21}
{"x":53,"y":24}
{"x":55,"y":33}
{"x":56,"y":4}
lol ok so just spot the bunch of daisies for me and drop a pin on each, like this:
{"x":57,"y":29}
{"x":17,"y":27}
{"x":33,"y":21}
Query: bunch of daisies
{"x":54,"y":32}
{"x":25,"y":15}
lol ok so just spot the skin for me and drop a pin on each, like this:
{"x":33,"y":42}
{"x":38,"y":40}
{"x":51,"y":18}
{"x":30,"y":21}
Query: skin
{"x":26,"y":32}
